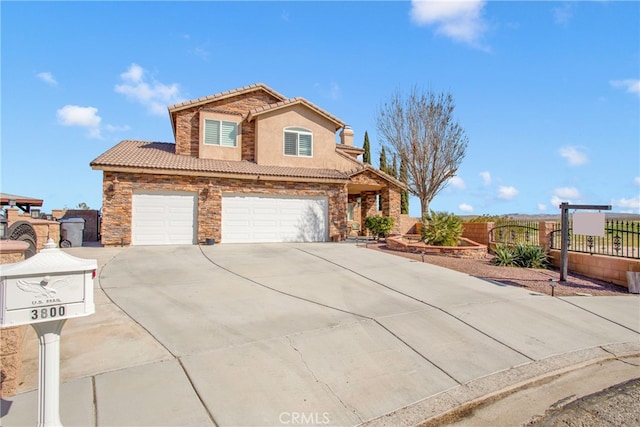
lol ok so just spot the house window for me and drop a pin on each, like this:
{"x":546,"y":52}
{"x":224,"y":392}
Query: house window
{"x":350,"y":211}
{"x":298,"y":142}
{"x":220,"y":132}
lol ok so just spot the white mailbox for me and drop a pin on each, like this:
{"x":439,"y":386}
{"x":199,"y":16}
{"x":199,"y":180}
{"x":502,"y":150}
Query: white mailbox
{"x":51,"y":285}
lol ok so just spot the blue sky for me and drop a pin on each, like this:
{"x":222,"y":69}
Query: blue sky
{"x":548,"y":92}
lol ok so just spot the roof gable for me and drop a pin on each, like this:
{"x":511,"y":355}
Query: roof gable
{"x":288,"y":103}
{"x":223,"y":95}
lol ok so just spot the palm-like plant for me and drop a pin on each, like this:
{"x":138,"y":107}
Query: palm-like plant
{"x":441,"y":229}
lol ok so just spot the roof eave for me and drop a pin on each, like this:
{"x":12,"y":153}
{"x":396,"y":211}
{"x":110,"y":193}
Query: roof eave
{"x":227,"y":175}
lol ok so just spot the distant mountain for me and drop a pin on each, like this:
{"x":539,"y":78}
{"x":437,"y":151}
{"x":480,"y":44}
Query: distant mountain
{"x":556,"y":217}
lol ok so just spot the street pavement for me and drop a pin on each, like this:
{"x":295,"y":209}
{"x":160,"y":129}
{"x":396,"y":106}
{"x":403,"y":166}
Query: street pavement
{"x":321,"y":334}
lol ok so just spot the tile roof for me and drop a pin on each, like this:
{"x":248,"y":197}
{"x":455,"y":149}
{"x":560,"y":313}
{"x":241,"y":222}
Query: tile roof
{"x":161,"y":156}
{"x":225,"y":94}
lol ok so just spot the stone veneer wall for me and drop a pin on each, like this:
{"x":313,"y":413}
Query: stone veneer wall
{"x":11,"y":338}
{"x":117,"y":204}
{"x":187,"y":122}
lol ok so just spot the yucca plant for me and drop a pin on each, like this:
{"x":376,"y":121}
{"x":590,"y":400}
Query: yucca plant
{"x":530,"y":256}
{"x":503,"y":256}
{"x":441,"y":229}
{"x":520,"y":255}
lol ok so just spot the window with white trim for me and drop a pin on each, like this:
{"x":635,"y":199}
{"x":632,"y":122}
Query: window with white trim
{"x":298,"y":142}
{"x":220,"y":132}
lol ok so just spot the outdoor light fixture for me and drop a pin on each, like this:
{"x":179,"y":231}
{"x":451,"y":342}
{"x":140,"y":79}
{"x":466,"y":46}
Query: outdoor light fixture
{"x":113,"y":186}
{"x":35,"y":213}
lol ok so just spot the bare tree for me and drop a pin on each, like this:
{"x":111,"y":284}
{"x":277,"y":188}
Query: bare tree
{"x":421,"y":130}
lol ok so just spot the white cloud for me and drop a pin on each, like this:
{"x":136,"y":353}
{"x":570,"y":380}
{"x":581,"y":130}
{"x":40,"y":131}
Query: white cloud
{"x":507,"y":192}
{"x":486,"y":178}
{"x":464,"y":207}
{"x":636,"y":180}
{"x":565,"y":194}
{"x":631,"y":85}
{"x":47,"y":77}
{"x":87,"y":117}
{"x":457,"y":182}
{"x":631,"y":205}
{"x":460,"y":20}
{"x":542,"y":207}
{"x":154,"y":95}
{"x":574,"y":156}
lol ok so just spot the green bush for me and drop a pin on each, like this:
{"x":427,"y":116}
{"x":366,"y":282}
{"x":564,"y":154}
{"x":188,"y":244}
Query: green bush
{"x":380,"y":226}
{"x":441,"y":229}
{"x":520,"y":255}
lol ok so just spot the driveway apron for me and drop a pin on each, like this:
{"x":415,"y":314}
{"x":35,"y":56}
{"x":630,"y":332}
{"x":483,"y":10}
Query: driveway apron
{"x":336,"y":333}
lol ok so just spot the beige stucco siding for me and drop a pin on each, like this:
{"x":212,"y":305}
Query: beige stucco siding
{"x":208,"y":151}
{"x":270,"y":138}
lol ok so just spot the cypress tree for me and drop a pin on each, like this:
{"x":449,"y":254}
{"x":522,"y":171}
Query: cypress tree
{"x":383,"y":160}
{"x":383,"y":168}
{"x":366,"y":156}
{"x":404,"y":196}
{"x":393,"y":171}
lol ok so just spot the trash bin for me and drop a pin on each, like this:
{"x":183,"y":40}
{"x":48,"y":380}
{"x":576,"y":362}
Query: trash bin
{"x":633,"y":281}
{"x":72,"y":230}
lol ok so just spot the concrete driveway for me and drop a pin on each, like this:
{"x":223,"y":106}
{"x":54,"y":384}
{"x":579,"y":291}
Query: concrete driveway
{"x":321,"y":334}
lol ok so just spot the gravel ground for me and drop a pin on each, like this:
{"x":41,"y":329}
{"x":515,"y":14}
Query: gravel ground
{"x":534,"y":279}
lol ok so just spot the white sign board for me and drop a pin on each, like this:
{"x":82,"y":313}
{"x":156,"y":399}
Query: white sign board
{"x":589,"y":223}
{"x":51,"y":285}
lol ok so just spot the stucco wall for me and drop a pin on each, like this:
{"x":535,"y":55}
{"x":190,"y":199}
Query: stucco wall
{"x":270,"y":138}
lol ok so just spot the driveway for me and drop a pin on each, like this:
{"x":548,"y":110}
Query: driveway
{"x":325,"y":334}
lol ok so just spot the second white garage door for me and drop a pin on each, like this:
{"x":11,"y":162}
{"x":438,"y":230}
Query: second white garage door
{"x":253,"y":219}
{"x":163,"y":219}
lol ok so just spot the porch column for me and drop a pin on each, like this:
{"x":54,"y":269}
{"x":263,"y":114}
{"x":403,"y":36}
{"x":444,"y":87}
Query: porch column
{"x":391,"y":206}
{"x":368,"y":205}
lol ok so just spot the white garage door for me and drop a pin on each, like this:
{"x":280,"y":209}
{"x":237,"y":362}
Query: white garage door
{"x":248,"y":219}
{"x":163,"y":219}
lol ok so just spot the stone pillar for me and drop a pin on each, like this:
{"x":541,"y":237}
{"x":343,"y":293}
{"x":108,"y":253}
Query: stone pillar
{"x":544,"y":233}
{"x":391,"y":207}
{"x":11,"y":338}
{"x":368,"y":207}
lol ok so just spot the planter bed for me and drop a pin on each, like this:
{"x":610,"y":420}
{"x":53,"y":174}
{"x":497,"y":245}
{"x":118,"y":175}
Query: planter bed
{"x":411,"y":243}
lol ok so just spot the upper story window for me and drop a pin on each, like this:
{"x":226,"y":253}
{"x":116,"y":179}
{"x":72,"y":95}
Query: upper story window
{"x":220,"y":132}
{"x":298,"y":142}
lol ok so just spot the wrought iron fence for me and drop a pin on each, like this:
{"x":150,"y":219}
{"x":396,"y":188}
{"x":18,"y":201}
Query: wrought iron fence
{"x":512,"y":232}
{"x":621,"y":239}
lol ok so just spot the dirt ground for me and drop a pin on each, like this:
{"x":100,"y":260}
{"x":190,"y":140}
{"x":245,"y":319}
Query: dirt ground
{"x":534,"y":279}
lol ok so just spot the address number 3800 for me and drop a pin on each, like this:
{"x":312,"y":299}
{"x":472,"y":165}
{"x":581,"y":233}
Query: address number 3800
{"x":48,"y":312}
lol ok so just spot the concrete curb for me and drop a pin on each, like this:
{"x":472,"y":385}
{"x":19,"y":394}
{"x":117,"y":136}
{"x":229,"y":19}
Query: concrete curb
{"x":452,"y":404}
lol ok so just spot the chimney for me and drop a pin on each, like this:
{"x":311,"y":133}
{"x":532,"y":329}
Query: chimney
{"x":346,"y":135}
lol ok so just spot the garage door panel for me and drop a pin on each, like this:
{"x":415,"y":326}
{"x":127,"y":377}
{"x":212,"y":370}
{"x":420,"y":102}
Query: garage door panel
{"x":273,"y":219}
{"x":160,"y":219}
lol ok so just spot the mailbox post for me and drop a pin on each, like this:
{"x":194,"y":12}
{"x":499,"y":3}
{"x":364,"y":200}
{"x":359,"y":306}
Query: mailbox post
{"x":44,"y":291}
